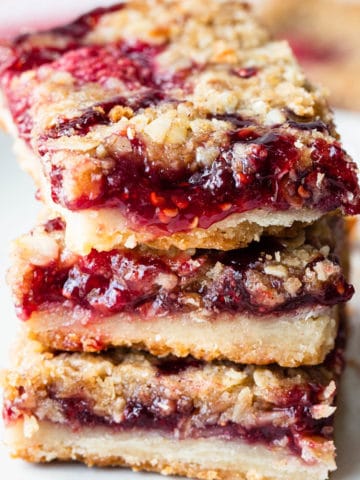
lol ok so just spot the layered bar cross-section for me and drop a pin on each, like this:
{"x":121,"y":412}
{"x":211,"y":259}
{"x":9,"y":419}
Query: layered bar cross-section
{"x":276,"y":300}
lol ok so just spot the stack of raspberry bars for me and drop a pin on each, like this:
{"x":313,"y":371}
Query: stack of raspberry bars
{"x":182,"y":299}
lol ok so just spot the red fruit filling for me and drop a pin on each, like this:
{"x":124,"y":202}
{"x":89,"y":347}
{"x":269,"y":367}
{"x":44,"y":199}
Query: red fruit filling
{"x":78,"y":413}
{"x":25,"y":56}
{"x":270,"y":175}
{"x":130,"y":63}
{"x":126,"y":281}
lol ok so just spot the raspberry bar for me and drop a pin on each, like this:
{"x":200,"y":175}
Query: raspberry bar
{"x":206,"y":421}
{"x":329,"y":55}
{"x":274,"y":301}
{"x":172,"y":124}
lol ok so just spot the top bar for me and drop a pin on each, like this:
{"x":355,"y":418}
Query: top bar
{"x":172,"y":123}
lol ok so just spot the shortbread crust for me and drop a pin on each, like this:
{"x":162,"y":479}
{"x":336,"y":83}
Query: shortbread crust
{"x":205,"y":459}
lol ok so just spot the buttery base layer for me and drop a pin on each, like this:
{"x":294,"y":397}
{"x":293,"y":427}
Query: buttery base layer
{"x":106,"y":228}
{"x":290,"y":340}
{"x":208,"y":459}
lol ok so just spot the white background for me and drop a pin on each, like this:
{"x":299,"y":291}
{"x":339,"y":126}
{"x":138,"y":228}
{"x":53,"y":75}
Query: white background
{"x":18,"y":211}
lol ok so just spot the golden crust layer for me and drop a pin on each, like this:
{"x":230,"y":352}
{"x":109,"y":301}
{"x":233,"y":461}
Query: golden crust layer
{"x":294,"y":340}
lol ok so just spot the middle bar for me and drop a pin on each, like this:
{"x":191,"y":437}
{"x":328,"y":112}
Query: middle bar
{"x":275,"y":301}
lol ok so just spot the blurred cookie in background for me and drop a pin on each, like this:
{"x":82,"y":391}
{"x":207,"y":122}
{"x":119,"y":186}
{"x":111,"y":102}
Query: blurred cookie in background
{"x":325,"y":36}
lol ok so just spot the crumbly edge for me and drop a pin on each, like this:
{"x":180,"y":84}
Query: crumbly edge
{"x":204,"y":459}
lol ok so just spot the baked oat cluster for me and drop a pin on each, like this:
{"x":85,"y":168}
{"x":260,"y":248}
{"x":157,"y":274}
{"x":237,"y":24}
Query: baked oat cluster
{"x":183,"y":297}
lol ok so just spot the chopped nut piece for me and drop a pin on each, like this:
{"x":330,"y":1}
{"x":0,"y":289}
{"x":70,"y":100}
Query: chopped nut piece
{"x":276,"y":270}
{"x":292,"y":285}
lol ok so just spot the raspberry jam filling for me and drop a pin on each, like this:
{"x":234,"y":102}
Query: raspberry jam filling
{"x":132,"y":63}
{"x":269,"y":175}
{"x":105,"y":283}
{"x":78,"y":413}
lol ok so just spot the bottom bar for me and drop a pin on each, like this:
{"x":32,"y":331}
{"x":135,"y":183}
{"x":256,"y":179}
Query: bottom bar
{"x":203,"y":458}
{"x":174,"y":416}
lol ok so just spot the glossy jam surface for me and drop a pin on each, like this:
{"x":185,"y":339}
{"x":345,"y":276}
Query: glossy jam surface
{"x":127,"y":281}
{"x":270,"y":176}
